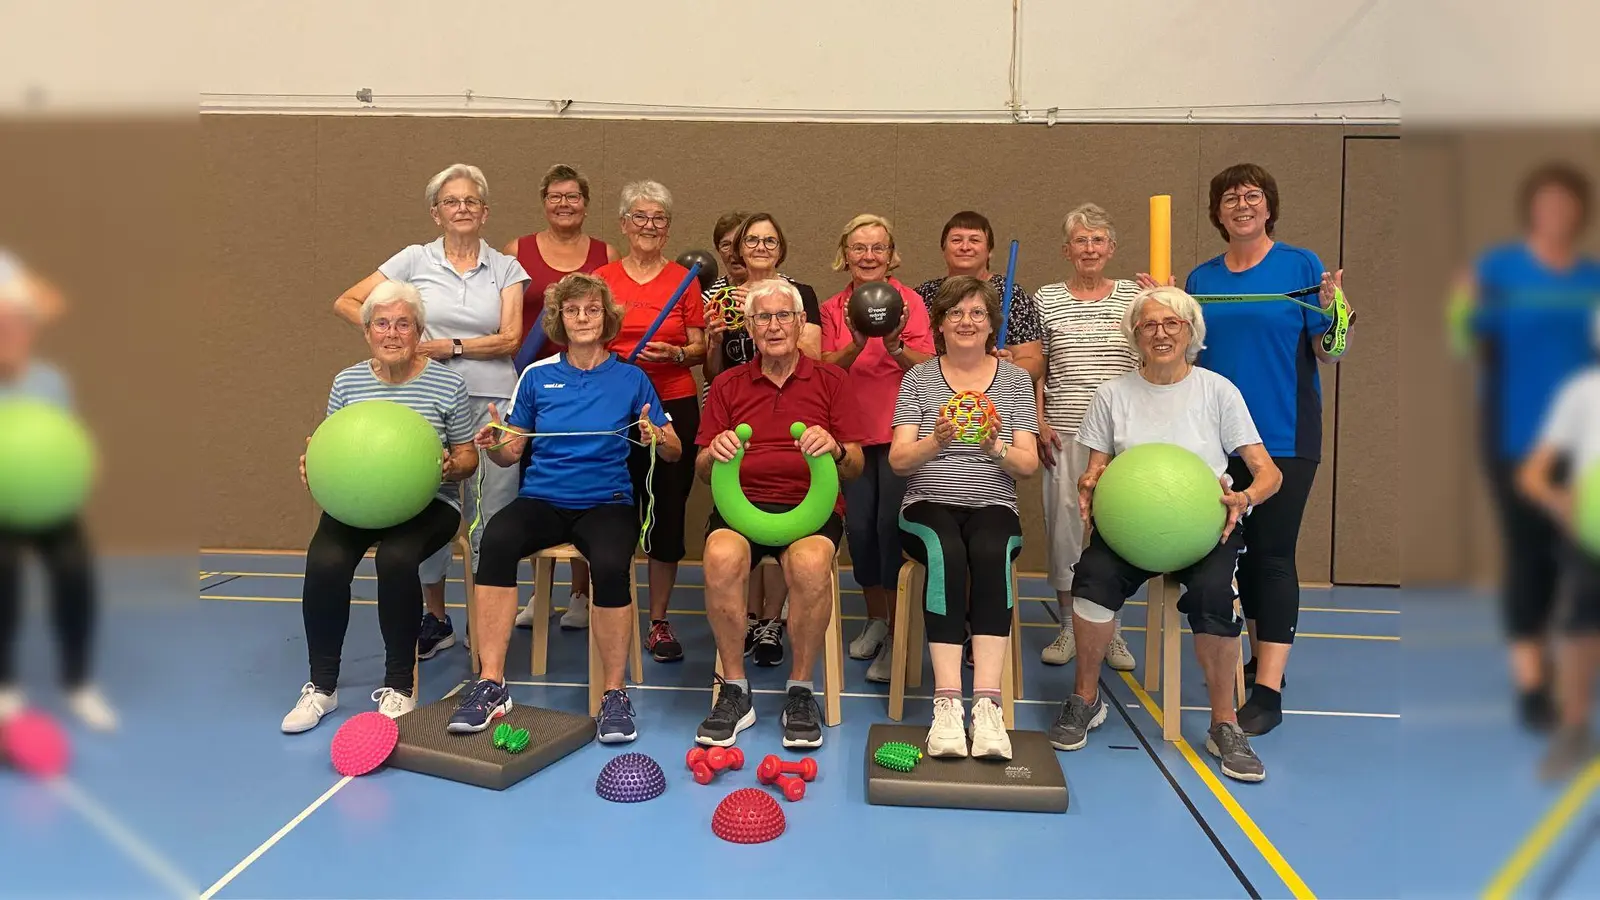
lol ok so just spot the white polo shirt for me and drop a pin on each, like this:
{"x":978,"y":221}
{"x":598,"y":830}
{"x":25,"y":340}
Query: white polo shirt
{"x":463,"y":306}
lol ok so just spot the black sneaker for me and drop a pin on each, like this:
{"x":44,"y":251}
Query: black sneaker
{"x":732,"y":714}
{"x":751,"y":623}
{"x":1536,"y":710}
{"x":802,"y":719}
{"x":435,"y":635}
{"x":662,"y":643}
{"x":769,"y":644}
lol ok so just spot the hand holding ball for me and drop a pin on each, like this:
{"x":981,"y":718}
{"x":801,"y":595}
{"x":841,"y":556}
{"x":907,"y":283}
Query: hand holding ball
{"x":47,"y":464}
{"x":374,"y":464}
{"x":875,"y":309}
{"x":1159,"y":506}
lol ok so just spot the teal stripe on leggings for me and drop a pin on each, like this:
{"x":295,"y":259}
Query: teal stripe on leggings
{"x":934,"y":548}
{"x":1013,"y":550}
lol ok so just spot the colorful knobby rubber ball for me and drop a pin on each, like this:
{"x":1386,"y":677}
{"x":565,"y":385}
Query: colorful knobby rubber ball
{"x":36,"y":744}
{"x":748,"y":816}
{"x":363,"y":743}
{"x":631,"y":778}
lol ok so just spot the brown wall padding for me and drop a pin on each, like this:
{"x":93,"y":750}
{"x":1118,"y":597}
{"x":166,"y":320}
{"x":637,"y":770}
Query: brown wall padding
{"x":301,"y":208}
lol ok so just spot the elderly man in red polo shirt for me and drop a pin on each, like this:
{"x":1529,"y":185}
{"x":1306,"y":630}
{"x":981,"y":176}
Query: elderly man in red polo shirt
{"x":779,"y":387}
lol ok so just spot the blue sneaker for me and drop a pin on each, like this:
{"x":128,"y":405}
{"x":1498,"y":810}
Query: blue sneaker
{"x":435,"y":635}
{"x":616,"y":718}
{"x":485,"y":702}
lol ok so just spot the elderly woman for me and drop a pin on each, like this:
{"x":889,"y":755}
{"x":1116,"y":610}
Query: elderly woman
{"x":753,"y":247}
{"x":393,"y":317}
{"x":643,"y":282}
{"x":1270,"y":351}
{"x":1168,"y":400}
{"x":1528,"y":349}
{"x":1083,"y":348}
{"x":26,"y":302}
{"x":577,"y":489}
{"x":967,"y":243}
{"x":959,"y":517}
{"x":872,"y":502}
{"x":473,"y":294}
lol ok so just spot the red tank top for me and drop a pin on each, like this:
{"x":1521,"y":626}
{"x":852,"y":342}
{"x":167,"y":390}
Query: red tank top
{"x":541,"y":276}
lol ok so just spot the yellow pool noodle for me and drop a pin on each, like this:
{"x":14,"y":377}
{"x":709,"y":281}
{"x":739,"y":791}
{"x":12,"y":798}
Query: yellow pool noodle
{"x":1161,"y":238}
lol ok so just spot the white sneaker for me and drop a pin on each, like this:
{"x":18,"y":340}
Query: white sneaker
{"x":12,"y":701}
{"x":1062,"y":649}
{"x":989,"y":737}
{"x":870,"y":640}
{"x":948,"y":734}
{"x":577,"y":614}
{"x":881,"y":668}
{"x":309,"y":709}
{"x":91,"y":708}
{"x":392,"y":703}
{"x":1118,"y":656}
{"x":524,"y":618}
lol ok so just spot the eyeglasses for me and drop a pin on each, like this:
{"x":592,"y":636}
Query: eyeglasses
{"x":976,"y":316}
{"x":1170,"y":326}
{"x":471,"y":204}
{"x":1251,"y":198}
{"x":864,"y":249}
{"x":571,"y":199}
{"x":1083,"y":243}
{"x":643,"y":221}
{"x":400,"y":326}
{"x":769,"y":242}
{"x":783,"y":317}
{"x":587,"y":312}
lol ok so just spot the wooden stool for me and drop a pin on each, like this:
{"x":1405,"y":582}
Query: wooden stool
{"x":1164,"y":630}
{"x":906,"y":663}
{"x":832,"y":653}
{"x":544,"y":567}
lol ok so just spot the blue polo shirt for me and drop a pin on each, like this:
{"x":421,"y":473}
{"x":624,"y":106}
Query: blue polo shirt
{"x":1529,"y":344}
{"x":590,"y":470}
{"x":1267,"y":349}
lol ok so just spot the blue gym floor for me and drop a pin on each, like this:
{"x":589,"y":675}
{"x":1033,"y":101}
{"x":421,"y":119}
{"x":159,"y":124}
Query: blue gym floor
{"x":200,"y":794}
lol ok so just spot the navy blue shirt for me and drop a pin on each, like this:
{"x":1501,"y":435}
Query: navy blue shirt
{"x":1268,"y":349}
{"x":590,"y":470}
{"x":1529,"y":344}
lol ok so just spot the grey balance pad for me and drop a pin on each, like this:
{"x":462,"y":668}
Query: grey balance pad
{"x":1031,"y":781}
{"x":427,"y":748}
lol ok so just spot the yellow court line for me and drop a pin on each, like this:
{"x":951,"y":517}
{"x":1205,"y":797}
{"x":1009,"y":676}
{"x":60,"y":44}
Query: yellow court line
{"x":1539,"y":841}
{"x":1268,"y":852}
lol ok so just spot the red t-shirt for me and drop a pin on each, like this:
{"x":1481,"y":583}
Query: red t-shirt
{"x":875,"y":376}
{"x":773,"y":470}
{"x":541,"y":275}
{"x":641,"y":303}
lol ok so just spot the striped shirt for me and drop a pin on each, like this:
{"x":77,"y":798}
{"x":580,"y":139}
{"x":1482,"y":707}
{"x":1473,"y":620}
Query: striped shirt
{"x":1083,"y":348}
{"x":961,"y":475}
{"x":439,"y":394}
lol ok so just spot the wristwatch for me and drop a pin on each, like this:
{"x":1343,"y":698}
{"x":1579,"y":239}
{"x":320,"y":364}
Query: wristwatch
{"x":678,"y":356}
{"x":1248,"y":503}
{"x":457,"y":350}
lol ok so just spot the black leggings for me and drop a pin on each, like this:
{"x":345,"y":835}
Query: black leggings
{"x":605,"y":535}
{"x":969,"y":552}
{"x":1107,"y":580}
{"x":672,"y":483}
{"x":1269,"y":583}
{"x":64,"y":553}
{"x":336,"y":549}
{"x":1532,"y":554}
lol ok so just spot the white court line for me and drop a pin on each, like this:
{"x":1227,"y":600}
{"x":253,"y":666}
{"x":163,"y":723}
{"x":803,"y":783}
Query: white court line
{"x":868,"y":696}
{"x":292,"y":824}
{"x":153,"y":863}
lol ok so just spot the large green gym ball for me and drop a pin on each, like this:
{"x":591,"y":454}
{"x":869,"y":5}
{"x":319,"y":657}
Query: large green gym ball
{"x":374,"y":464}
{"x":47,"y":464}
{"x":1586,"y":510}
{"x":1159,"y":507}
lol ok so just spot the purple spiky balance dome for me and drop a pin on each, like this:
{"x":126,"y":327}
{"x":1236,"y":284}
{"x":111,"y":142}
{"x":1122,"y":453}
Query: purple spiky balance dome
{"x":631,"y":778}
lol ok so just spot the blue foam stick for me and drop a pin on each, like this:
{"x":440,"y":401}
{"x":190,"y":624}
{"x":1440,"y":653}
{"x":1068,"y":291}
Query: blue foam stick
{"x":677,"y":295}
{"x":532,"y":344}
{"x":1005,"y":299}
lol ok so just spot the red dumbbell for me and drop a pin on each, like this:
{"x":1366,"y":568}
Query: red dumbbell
{"x":793,"y":788}
{"x":772,"y":767}
{"x":705,"y":764}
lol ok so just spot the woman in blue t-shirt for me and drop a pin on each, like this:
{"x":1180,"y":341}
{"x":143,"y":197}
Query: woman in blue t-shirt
{"x":1270,"y":351}
{"x":1526,"y":319}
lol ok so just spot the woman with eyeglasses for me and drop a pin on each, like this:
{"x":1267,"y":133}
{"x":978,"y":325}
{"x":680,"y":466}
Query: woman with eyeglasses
{"x":752,"y":248}
{"x":642,"y":283}
{"x":1271,"y":352}
{"x":472,"y":295}
{"x":876,"y":366}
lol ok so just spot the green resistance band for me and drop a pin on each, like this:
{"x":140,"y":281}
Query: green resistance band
{"x":1333,"y":340}
{"x":1462,"y":307}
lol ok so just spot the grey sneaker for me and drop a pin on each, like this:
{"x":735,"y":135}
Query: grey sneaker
{"x":1570,"y":750}
{"x":1227,"y":742}
{"x":1078,"y":717}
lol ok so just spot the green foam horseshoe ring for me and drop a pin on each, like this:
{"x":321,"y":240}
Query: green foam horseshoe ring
{"x":778,"y":529}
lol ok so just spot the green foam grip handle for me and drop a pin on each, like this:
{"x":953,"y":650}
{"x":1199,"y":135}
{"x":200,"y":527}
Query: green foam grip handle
{"x":775,"y":529}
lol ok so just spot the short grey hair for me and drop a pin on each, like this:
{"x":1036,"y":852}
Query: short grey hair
{"x":457,"y":170}
{"x":1175,"y":299}
{"x":1089,"y":217}
{"x":652,"y":191}
{"x":390,"y":292}
{"x":773,"y":287}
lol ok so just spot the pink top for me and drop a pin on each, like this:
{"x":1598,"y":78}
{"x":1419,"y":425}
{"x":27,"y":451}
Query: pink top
{"x":875,"y":376}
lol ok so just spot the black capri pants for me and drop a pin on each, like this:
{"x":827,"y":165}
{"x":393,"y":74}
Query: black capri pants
{"x":1578,"y":597}
{"x":604,"y":534}
{"x":63,"y":551}
{"x":672,"y":483}
{"x":336,"y":549}
{"x":1269,"y":582}
{"x":969,"y":552}
{"x":1532,"y":548}
{"x":1104,"y":578}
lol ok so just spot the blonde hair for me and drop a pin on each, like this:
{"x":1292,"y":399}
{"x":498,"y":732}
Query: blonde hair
{"x":865,"y":220}
{"x":1175,"y":299}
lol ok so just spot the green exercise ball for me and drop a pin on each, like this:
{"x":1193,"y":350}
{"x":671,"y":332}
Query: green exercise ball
{"x":1159,"y":506}
{"x":778,"y":529}
{"x":1586,"y":510}
{"x":47,"y":464}
{"x":374,"y":464}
